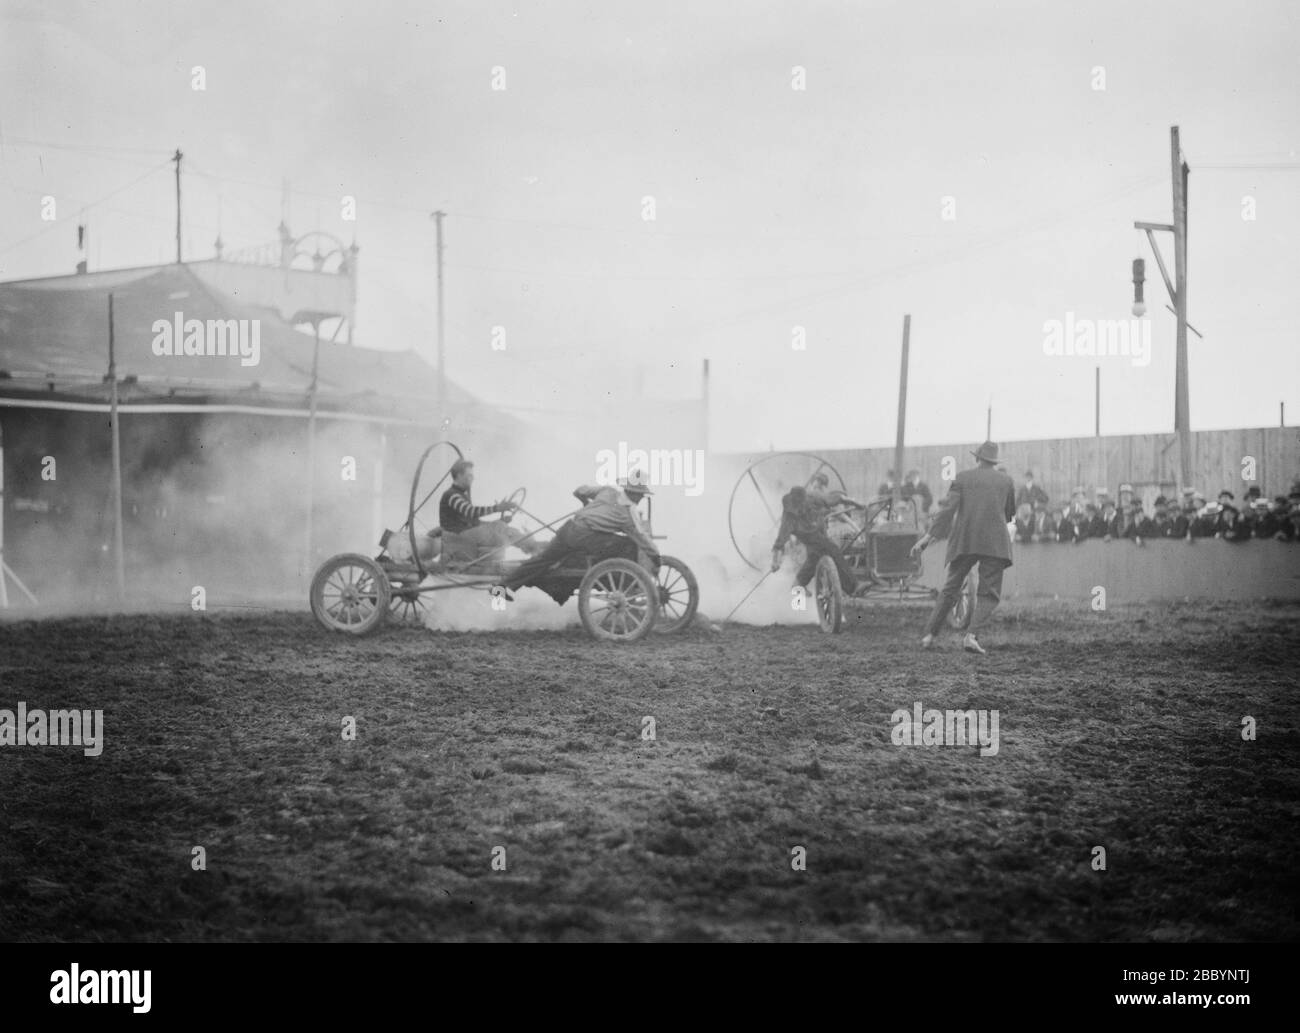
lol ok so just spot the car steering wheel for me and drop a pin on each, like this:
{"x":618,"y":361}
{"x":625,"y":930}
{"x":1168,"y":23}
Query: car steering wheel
{"x":522,"y":494}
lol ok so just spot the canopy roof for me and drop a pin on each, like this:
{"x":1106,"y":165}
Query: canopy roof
{"x":54,"y":339}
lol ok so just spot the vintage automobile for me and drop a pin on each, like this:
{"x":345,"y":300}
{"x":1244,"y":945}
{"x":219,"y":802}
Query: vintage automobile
{"x":875,"y":538}
{"x":618,"y":600}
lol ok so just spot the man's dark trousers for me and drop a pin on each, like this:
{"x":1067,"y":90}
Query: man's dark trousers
{"x":573,"y":539}
{"x":818,"y":545}
{"x":987,"y":594}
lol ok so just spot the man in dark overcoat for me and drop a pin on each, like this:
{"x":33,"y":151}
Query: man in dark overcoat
{"x":974,"y":517}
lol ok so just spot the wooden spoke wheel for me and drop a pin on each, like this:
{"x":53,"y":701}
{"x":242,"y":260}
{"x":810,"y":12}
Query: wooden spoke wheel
{"x":408,"y":606}
{"x":961,"y":613}
{"x":618,"y":601}
{"x":351,"y":593}
{"x":679,"y":595}
{"x":829,"y":596}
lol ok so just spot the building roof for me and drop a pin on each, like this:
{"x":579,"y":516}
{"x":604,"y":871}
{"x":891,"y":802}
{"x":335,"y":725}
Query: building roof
{"x":54,"y":338}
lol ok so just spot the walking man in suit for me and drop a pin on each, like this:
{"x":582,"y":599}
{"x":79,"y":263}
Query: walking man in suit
{"x":974,"y":517}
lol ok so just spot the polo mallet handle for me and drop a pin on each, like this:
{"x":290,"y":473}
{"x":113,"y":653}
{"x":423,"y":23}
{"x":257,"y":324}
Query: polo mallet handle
{"x":747,"y":595}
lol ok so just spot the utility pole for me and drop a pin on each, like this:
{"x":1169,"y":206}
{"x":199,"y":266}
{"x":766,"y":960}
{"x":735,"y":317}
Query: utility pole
{"x":1182,"y":423}
{"x":1178,"y":295}
{"x":119,"y":548}
{"x":1097,"y":464}
{"x":442,"y":355}
{"x":902,"y":413}
{"x":704,"y":406}
{"x":177,"y":159}
{"x":218,"y":245}
{"x":311,"y":448}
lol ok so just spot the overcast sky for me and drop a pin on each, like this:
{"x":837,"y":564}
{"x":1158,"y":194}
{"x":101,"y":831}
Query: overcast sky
{"x":774,"y":207}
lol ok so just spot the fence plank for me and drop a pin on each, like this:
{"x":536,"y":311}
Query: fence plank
{"x":1062,"y":463}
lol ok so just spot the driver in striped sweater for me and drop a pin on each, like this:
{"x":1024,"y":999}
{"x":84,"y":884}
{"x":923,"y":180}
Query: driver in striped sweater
{"x":465,"y":534}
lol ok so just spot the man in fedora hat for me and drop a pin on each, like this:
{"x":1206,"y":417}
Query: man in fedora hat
{"x":974,"y":517}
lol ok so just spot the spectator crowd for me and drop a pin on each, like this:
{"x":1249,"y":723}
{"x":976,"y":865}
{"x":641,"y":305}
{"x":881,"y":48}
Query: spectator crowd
{"x":1191,"y":516}
{"x":1124,"y":517}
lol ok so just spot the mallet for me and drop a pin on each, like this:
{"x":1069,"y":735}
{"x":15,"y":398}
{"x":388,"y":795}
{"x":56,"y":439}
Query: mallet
{"x":748,"y":594}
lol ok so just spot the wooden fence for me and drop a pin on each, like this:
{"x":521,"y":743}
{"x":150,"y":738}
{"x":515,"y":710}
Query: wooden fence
{"x":1150,"y":462}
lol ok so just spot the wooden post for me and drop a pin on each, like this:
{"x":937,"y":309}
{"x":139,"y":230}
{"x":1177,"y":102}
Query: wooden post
{"x":377,"y":512}
{"x":1182,"y":421}
{"x":1097,"y":404}
{"x":704,"y":400}
{"x":177,"y":159}
{"x":1177,"y":289}
{"x":442,"y":355}
{"x":119,"y":549}
{"x":311,"y":451}
{"x":902,"y":412}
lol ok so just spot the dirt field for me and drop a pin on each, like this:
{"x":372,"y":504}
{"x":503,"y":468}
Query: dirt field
{"x":1120,"y":730}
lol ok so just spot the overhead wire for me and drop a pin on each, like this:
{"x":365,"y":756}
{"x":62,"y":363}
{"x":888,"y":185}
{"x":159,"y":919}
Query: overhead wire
{"x":86,"y":207}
